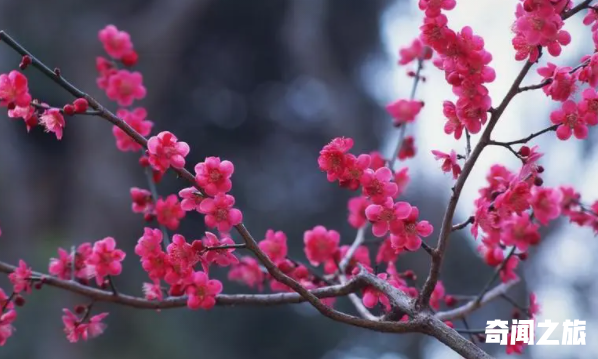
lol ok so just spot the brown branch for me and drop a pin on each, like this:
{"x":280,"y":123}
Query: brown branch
{"x":495,"y":275}
{"x":100,"y":295}
{"x":583,"y":5}
{"x":525,"y":139}
{"x":446,"y":228}
{"x":471,"y":306}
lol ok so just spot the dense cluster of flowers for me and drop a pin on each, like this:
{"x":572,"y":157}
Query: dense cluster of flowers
{"x":509,"y":212}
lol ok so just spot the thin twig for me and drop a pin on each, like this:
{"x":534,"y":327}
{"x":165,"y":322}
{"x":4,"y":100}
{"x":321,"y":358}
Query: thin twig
{"x":462,"y":225}
{"x":523,"y":140}
{"x":495,"y":275}
{"x":112,"y":285}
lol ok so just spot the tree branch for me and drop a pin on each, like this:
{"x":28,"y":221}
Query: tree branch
{"x":446,"y":228}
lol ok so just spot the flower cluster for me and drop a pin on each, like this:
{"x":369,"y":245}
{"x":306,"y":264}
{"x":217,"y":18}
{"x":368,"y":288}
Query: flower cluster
{"x":539,"y":24}
{"x":462,"y":57}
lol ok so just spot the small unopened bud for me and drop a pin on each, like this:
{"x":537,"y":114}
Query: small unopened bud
{"x":38,"y":285}
{"x":144,"y":161}
{"x":540,"y":169}
{"x":69,"y":109}
{"x":450,"y":300}
{"x":19,"y":301}
{"x":57,"y":72}
{"x":81,"y":105}
{"x":11,"y":106}
{"x":157,"y":176}
{"x":449,"y":324}
{"x":516,"y":314}
{"x":538,"y":181}
{"x":482,"y":338}
{"x":25,"y":61}
{"x":301,"y":272}
{"x":524,"y":151}
{"x":409,"y":275}
{"x":80,"y":309}
{"x":523,"y":256}
{"x":411,"y":73}
{"x":148,"y":217}
{"x":130,"y":58}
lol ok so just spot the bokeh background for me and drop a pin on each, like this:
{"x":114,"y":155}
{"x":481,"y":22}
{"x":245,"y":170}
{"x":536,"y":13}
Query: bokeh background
{"x":266,"y":84}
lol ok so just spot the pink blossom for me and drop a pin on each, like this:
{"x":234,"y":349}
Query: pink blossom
{"x":569,"y":121}
{"x":371,"y":295}
{"x":386,"y":254}
{"x":274,"y":245}
{"x":142,"y":201}
{"x":219,"y":212}
{"x":453,"y":125}
{"x":520,"y":231}
{"x":76,"y":329}
{"x":402,"y":179}
{"x":202,"y":291}
{"x":320,"y":244}
{"x":387,"y":216}
{"x":588,"y":107}
{"x":6,"y":328}
{"x":417,"y":50}
{"x":355,"y":167}
{"x":515,"y":198}
{"x":182,"y":255}
{"x":150,"y":243}
{"x":493,"y":255}
{"x":105,"y":259}
{"x":404,"y":111}
{"x":27,"y":113}
{"x":332,"y":157}
{"x":377,"y":185}
{"x":433,"y":7}
{"x":561,"y":82}
{"x":21,"y":278}
{"x":248,"y":271}
{"x":376,"y":160}
{"x":590,"y":19}
{"x":157,"y":265}
{"x":437,"y":295}
{"x":449,"y":162}
{"x":153,"y":291}
{"x":357,"y":206}
{"x":14,"y":90}
{"x":407,"y":149}
{"x":169,"y":212}
{"x":589,"y":73}
{"x":53,"y":121}
{"x":116,"y":43}
{"x":135,"y":119}
{"x":546,"y":203}
{"x":124,"y":87}
{"x":191,"y":199}
{"x":508,"y":274}
{"x":409,"y":232}
{"x":222,"y":257}
{"x":63,"y":265}
{"x":534,"y":307}
{"x":165,"y":151}
{"x":214,"y":175}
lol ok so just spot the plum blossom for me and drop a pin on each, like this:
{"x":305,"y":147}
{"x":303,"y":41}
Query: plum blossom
{"x":124,"y":87}
{"x":106,"y":259}
{"x":214,"y":175}
{"x":166,"y":151}
{"x":387,"y":216}
{"x":202,"y":291}
{"x":219,"y":212}
{"x":320,"y":244}
{"x":409,"y":232}
{"x":449,"y":162}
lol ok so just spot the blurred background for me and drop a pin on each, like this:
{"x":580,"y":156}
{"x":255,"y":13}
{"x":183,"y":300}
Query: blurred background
{"x":266,"y":84}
